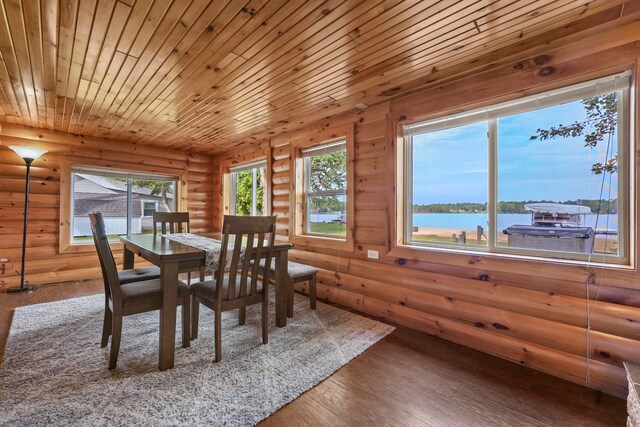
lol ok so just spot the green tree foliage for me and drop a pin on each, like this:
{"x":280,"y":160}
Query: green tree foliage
{"x":601,"y":122}
{"x":157,"y":187}
{"x":328,"y":172}
{"x":162,"y":188}
{"x":244,"y":192}
{"x":451,"y":208}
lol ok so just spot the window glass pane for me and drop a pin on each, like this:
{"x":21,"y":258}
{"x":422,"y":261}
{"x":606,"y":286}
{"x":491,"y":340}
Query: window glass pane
{"x":326,"y":183}
{"x":449,"y":186}
{"x":557,"y":178}
{"x":93,"y":193}
{"x":328,"y":171}
{"x":327,"y":215}
{"x":109,"y":195}
{"x":153,"y":195}
{"x":249,"y":191}
{"x":149,"y":208}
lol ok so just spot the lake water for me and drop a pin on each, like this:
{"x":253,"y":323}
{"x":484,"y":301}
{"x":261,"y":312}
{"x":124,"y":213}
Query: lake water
{"x":469,"y":221}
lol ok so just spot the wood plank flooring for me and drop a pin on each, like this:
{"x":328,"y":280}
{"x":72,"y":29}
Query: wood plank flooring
{"x":413,"y":379}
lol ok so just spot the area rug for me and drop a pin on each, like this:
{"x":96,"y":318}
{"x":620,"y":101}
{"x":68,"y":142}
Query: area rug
{"x":55,"y":373}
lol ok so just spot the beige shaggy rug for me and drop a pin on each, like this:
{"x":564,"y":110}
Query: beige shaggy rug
{"x":55,"y":373}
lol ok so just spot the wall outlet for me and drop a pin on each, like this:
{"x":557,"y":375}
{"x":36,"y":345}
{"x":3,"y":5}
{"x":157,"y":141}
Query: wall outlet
{"x":372,"y":254}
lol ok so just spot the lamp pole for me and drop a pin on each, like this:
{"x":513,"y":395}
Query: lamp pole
{"x":28,"y":154}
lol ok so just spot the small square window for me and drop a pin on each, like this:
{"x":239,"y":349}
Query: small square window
{"x":149,"y":208}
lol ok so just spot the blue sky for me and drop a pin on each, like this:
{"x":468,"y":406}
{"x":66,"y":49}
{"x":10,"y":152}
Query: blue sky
{"x":450,"y":166}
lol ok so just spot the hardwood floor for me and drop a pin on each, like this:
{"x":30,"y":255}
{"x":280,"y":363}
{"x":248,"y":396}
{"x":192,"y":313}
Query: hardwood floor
{"x":413,"y":379}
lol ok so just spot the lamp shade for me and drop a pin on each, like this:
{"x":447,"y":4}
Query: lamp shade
{"x":28,"y":152}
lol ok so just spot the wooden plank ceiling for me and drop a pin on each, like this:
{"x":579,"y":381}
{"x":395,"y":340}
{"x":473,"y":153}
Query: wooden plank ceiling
{"x":207,"y":75}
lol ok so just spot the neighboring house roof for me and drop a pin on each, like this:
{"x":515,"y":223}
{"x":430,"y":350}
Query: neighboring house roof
{"x":111,"y":205}
{"x":112,"y":184}
{"x":105,"y":182}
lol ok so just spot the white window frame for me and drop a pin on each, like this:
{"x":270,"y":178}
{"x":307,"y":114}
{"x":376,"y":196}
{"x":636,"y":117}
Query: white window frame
{"x":620,"y":83}
{"x":233,"y":191}
{"x":308,"y":154}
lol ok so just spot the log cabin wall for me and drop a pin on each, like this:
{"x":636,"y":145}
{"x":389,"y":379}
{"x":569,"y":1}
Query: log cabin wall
{"x":45,"y":262}
{"x":530,"y":312}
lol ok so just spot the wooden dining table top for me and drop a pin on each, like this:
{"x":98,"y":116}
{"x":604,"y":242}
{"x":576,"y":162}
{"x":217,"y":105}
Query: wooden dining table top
{"x":163,"y":246}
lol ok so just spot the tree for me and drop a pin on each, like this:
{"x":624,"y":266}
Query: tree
{"x":157,"y":187}
{"x":244,"y":192}
{"x":328,"y":172}
{"x":601,"y":122}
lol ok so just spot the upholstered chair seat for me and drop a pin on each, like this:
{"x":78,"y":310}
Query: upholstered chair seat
{"x":147,"y":293}
{"x":138,"y":274}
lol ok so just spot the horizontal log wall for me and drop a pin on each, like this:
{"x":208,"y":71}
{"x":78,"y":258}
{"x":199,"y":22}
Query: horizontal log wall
{"x":531,"y":312}
{"x":45,"y":264}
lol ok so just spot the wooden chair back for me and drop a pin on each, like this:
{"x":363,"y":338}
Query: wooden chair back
{"x":171,"y":222}
{"x":107,"y":262}
{"x":255,"y":235}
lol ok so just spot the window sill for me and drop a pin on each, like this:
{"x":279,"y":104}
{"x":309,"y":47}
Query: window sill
{"x":323,"y":242}
{"x":483,"y":259}
{"x":74,"y":248}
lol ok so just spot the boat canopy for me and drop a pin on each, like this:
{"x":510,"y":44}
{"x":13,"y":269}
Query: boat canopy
{"x":557,"y":208}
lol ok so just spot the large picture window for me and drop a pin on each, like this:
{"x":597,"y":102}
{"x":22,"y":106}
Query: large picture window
{"x":249,"y":189}
{"x":547,"y":175}
{"x":127,"y":201}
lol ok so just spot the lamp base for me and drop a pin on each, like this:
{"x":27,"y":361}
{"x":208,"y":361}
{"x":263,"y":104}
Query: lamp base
{"x":17,"y":289}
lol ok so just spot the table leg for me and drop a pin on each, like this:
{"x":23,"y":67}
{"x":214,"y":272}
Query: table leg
{"x":127,"y":258}
{"x":169,"y":289}
{"x":282,"y":287}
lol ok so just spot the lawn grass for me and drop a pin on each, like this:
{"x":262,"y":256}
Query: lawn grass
{"x":328,"y":228}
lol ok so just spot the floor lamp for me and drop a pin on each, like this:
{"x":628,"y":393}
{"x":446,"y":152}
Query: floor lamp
{"x":28,"y":154}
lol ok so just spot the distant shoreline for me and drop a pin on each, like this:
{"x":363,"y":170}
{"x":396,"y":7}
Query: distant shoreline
{"x":603,"y":206}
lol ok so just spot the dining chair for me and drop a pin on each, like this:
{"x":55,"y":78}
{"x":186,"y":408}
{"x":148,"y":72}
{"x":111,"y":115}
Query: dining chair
{"x":245,"y":241}
{"x":125,"y":276}
{"x":174,"y":222}
{"x":124,"y":299}
{"x":171,"y":222}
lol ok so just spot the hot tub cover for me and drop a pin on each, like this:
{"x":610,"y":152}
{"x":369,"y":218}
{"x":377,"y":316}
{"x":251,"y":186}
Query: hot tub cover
{"x":560,"y":232}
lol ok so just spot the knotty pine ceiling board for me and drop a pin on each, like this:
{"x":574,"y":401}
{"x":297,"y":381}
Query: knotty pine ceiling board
{"x":207,"y":76}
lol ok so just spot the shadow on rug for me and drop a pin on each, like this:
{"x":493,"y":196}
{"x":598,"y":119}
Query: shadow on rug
{"x":55,"y":373}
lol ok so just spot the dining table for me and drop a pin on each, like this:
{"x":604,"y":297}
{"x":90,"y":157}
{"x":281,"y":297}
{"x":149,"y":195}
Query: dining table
{"x":173,"y":256}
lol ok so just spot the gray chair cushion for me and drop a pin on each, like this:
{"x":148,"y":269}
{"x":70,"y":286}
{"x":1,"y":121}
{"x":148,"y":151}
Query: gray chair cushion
{"x":147,"y":291}
{"x":294,"y":269}
{"x":138,"y":274}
